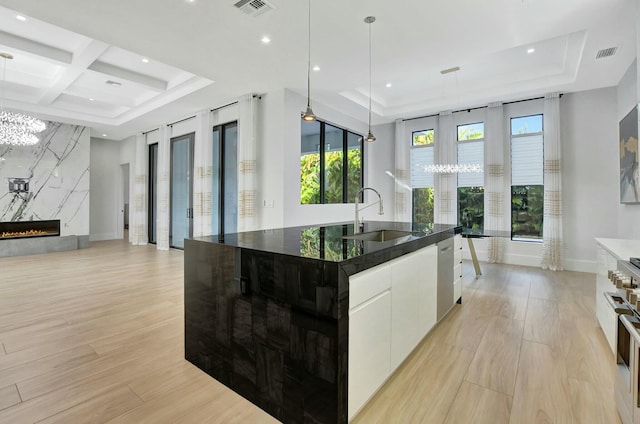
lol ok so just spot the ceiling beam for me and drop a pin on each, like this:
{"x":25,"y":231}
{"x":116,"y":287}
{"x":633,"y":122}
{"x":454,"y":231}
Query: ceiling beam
{"x":125,"y":74}
{"x":81,"y":61}
{"x":33,"y":47}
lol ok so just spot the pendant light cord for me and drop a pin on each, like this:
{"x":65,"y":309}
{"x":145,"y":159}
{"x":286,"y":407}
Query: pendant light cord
{"x":309,"y":61}
{"x":370,"y":77}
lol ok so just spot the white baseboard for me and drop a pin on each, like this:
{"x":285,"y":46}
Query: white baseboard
{"x":104,"y":236}
{"x":534,"y":261}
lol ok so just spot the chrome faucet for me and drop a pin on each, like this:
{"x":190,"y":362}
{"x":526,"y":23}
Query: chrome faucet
{"x":356,"y":223}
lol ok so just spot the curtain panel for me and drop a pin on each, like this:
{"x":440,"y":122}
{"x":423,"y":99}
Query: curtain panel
{"x":445,"y":193}
{"x":552,"y":238}
{"x":247,"y":163}
{"x":494,"y":177}
{"x":163,"y":213}
{"x":402,"y":191}
{"x":203,"y":175}
{"x":138,"y":233}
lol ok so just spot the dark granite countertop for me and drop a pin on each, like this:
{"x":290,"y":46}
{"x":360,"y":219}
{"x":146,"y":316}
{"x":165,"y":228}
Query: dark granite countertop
{"x":327,"y":242}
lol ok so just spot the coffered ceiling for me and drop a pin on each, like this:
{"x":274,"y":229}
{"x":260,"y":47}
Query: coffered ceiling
{"x":67,"y":50}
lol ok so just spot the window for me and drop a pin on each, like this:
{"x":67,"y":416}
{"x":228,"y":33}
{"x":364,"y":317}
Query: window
{"x":422,"y":182}
{"x":224,"y":198}
{"x":527,"y":178}
{"x":471,"y":185}
{"x":331,"y":164}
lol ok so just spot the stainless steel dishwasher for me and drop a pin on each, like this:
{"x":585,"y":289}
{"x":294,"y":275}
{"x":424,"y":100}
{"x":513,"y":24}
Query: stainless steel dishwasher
{"x":445,"y":277}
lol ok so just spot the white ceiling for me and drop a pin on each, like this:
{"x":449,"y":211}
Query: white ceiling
{"x":67,"y":49}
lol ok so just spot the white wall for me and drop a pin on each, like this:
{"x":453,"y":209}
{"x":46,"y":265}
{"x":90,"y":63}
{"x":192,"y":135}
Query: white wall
{"x":628,"y":215}
{"x":105,"y":190}
{"x":590,"y":164}
{"x":379,"y":159}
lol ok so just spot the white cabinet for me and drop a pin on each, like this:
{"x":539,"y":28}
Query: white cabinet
{"x":391,"y":308}
{"x":369,"y":334}
{"x":413,"y":301}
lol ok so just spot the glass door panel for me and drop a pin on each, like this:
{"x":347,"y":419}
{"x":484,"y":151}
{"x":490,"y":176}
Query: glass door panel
{"x":230,"y":178}
{"x":181,"y":175}
{"x":153,"y":192}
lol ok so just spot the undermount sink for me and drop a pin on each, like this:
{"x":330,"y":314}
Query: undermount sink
{"x":380,"y":235}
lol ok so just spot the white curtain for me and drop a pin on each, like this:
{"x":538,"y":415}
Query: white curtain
{"x":202,"y":181}
{"x":164,"y":160}
{"x":403,"y":212}
{"x":552,"y":243}
{"x":138,"y":233}
{"x":445,"y":194}
{"x":494,"y":190}
{"x":247,"y":163}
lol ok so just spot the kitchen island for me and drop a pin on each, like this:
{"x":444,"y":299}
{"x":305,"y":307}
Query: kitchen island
{"x":269,"y":313}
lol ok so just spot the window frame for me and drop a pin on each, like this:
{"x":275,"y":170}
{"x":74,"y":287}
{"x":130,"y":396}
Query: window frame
{"x":413,"y":189}
{"x":511,"y":185}
{"x":458,"y":187}
{"x":345,"y":163}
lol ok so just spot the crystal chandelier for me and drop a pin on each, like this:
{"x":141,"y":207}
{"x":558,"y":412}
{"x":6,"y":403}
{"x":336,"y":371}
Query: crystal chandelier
{"x":17,"y":128}
{"x":455,"y":168}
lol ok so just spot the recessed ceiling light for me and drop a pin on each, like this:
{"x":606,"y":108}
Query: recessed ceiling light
{"x":21,"y":18}
{"x":316,"y":68}
{"x":145,"y":60}
{"x":532,"y":50}
{"x":265,"y":40}
{"x":388,"y":85}
{"x":92,"y":100}
{"x":104,"y":135}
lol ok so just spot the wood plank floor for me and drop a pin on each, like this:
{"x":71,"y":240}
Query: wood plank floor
{"x":96,"y":336}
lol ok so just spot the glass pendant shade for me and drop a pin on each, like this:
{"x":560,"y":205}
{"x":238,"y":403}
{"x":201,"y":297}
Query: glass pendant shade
{"x":308,"y":115}
{"x":370,"y":137}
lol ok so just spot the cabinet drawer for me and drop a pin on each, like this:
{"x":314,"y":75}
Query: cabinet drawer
{"x":368,"y":284}
{"x":457,"y":256}
{"x":457,"y":290}
{"x":457,"y":242}
{"x":457,"y":271}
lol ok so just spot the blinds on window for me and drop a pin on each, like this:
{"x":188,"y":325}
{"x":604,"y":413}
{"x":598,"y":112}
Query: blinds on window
{"x":421,"y":157}
{"x":471,"y":153}
{"x":527,"y":160}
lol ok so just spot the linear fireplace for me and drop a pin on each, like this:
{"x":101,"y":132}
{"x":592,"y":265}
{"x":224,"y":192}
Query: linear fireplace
{"x":29,"y":229}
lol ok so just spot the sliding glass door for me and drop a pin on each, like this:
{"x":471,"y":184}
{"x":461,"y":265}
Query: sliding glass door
{"x":225,"y":179}
{"x":153,"y":192}
{"x":181,"y":190}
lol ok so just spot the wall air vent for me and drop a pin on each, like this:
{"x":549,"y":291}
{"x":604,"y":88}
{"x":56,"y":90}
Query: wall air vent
{"x":254,"y":7}
{"x":606,"y":52}
{"x":448,"y":71}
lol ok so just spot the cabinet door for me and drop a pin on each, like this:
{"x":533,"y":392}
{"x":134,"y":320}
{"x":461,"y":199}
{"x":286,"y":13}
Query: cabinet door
{"x":369,"y":349}
{"x":414,"y":297}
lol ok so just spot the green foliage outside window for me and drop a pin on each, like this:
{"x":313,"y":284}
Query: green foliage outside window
{"x":310,"y":176}
{"x":471,"y":207}
{"x":527,"y":203}
{"x":423,"y":205}
{"x":423,"y":138}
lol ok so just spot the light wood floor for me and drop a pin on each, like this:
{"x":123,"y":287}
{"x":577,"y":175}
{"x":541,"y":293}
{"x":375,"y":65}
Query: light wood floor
{"x":96,"y":336}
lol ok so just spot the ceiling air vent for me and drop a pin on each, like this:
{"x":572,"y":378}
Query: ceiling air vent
{"x":606,"y":52}
{"x":254,"y":7}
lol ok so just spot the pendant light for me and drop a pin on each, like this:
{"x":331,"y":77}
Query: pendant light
{"x":369,"y":20}
{"x":16,"y":128}
{"x":308,"y":115}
